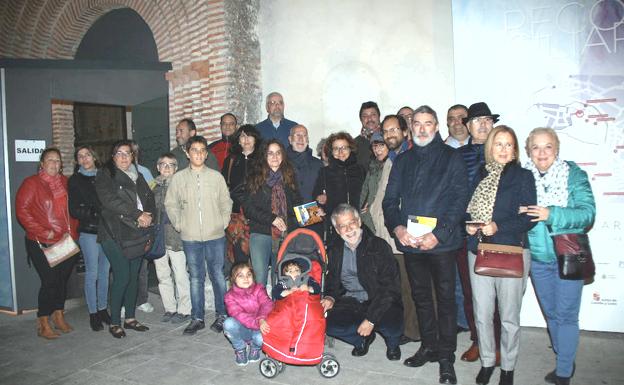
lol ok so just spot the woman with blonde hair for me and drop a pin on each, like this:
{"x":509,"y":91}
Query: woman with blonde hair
{"x":565,"y":205}
{"x":502,"y":187}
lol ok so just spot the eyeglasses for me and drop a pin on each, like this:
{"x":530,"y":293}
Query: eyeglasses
{"x":167,"y":165}
{"x":123,"y":154}
{"x":378,"y":145}
{"x":347,"y":226}
{"x":482,"y":119}
{"x":198,"y":150}
{"x":85,"y":156}
{"x":391,"y":130}
{"x":276,"y":102}
{"x":340,"y":149}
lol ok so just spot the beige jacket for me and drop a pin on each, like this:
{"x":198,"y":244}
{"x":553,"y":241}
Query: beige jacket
{"x":198,"y":204}
{"x":376,"y":210}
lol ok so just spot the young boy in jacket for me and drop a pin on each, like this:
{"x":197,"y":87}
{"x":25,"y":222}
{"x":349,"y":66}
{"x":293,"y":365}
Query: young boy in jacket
{"x":198,"y":204}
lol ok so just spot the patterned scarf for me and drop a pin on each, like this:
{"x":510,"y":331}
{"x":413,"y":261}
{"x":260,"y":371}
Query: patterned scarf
{"x":278,"y":199}
{"x":481,"y":205}
{"x":55,"y":183}
{"x":552,"y":187}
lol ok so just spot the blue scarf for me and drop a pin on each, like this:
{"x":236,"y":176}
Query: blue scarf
{"x":87,"y":172}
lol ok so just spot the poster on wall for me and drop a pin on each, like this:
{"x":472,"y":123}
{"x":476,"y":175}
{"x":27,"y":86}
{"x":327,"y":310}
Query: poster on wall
{"x":558,"y":64}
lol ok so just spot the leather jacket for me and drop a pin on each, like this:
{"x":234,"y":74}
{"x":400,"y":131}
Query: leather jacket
{"x":34,"y":210}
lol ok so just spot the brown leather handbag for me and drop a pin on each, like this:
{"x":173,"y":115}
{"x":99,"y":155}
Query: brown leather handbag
{"x":499,"y":260}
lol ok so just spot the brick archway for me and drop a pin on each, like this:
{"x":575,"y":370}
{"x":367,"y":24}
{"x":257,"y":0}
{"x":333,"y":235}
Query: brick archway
{"x":208,"y":77}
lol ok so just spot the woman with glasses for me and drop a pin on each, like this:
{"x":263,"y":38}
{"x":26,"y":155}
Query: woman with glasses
{"x":173,"y":279}
{"x":127,"y":208}
{"x":271,"y":195}
{"x":371,"y":182}
{"x":341,"y":181}
{"x":84,"y":206}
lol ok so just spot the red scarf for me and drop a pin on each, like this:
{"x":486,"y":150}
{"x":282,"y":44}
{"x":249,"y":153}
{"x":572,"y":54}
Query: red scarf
{"x":55,"y":183}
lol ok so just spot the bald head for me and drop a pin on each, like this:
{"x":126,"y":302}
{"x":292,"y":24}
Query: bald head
{"x":298,"y":138}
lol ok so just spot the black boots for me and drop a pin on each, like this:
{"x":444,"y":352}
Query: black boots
{"x":95,"y":322}
{"x":104,"y":316}
{"x":506,"y":377}
{"x":483,"y":378}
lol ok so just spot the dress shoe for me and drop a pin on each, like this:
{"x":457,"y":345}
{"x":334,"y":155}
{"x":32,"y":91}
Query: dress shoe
{"x":472,"y":354}
{"x":393,"y":354}
{"x":405,"y":340}
{"x":363,"y":350}
{"x":483,"y":378}
{"x":447,"y":372}
{"x":562,"y":380}
{"x":421,"y":357}
{"x":551,"y":377}
{"x":135,"y":325}
{"x":506,"y":377}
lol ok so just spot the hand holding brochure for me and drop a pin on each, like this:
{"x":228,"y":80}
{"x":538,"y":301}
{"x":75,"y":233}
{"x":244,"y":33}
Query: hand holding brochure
{"x":418,"y":226}
{"x":308,"y":214}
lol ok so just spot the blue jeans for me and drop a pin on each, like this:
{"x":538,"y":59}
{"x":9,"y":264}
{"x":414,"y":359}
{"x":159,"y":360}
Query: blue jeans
{"x":261,"y":250}
{"x":560,"y":300}
{"x":96,"y":274}
{"x":198,"y":255}
{"x":240,"y":335}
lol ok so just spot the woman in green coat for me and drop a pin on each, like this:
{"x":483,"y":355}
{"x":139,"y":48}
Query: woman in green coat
{"x":565,"y":205}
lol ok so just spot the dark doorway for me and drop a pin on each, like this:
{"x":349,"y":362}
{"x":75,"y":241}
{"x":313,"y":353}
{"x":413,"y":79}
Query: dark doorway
{"x":99,"y":126}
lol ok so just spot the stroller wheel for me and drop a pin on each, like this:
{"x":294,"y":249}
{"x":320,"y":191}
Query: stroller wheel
{"x":269,"y":368}
{"x":329,"y":366}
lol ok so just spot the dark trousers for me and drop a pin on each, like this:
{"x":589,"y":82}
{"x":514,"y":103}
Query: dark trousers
{"x":439,"y":268}
{"x":53,"y":288}
{"x":464,"y":277}
{"x":125,"y":281}
{"x":347,"y":314}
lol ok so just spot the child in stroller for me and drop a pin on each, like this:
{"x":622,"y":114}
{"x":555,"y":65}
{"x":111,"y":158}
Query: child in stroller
{"x":297,"y":322}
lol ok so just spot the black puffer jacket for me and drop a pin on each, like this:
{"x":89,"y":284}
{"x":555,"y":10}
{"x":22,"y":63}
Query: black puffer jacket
{"x":118,"y":195}
{"x":377,"y":271}
{"x":235,"y":168}
{"x":83,"y":202}
{"x":257,"y":208}
{"x":342,"y":182}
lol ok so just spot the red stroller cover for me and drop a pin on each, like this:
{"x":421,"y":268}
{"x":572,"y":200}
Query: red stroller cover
{"x":297,"y":322}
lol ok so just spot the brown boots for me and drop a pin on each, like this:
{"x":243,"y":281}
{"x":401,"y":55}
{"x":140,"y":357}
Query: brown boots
{"x":44,"y":330}
{"x":59,"y":322}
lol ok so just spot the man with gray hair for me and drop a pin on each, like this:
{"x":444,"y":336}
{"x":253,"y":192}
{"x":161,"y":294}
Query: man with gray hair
{"x":363,"y":290}
{"x":424,"y":206}
{"x":275,"y":125}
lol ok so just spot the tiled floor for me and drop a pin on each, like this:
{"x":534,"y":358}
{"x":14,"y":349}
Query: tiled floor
{"x":164,"y":356}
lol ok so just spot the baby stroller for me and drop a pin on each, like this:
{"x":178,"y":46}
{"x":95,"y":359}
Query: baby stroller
{"x":297,"y":322}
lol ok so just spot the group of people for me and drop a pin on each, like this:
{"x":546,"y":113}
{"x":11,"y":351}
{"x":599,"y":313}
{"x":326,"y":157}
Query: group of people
{"x":231,"y":203}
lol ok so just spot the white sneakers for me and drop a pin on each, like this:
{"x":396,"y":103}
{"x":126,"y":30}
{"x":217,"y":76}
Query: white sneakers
{"x":146,"y":307}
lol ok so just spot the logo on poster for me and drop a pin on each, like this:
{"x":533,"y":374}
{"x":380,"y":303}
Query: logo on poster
{"x":597,"y":299}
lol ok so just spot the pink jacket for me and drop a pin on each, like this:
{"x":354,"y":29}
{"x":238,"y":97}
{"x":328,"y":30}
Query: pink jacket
{"x":249,"y":305}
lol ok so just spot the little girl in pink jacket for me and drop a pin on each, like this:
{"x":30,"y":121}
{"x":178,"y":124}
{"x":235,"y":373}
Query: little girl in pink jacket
{"x":247,"y":304}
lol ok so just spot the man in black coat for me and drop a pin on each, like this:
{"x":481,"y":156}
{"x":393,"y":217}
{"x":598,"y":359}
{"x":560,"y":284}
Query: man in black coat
{"x":363,"y":288}
{"x":428,"y":187}
{"x":306,"y":165}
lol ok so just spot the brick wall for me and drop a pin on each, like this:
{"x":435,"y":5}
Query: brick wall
{"x":211,"y":44}
{"x":63,"y":133}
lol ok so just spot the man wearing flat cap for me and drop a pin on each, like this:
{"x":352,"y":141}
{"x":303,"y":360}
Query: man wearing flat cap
{"x":480,"y":121}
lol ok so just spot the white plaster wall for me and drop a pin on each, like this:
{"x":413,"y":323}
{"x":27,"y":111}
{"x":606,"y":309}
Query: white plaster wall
{"x":328,"y":56}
